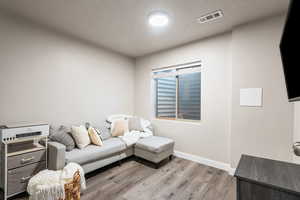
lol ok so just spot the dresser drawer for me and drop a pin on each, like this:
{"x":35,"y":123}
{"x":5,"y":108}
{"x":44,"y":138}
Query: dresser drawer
{"x":18,"y":178}
{"x":25,"y":159}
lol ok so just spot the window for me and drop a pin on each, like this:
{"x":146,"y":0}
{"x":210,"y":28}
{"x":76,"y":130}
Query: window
{"x":178,"y":92}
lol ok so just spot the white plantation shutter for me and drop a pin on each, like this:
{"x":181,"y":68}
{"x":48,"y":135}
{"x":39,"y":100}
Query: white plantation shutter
{"x":178,"y":92}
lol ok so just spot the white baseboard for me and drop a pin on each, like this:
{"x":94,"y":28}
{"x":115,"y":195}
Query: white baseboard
{"x":205,"y":161}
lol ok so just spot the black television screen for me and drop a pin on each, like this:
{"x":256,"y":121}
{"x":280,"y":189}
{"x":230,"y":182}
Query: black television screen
{"x":289,"y":51}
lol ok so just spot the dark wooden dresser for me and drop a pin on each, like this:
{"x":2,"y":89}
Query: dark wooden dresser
{"x":265,"y":179}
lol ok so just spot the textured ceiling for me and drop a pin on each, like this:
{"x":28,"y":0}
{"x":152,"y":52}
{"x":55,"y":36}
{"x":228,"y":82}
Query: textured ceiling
{"x":121,"y":25}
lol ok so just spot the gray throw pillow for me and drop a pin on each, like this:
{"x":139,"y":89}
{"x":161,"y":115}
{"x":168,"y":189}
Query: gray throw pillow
{"x":62,"y":135}
{"x":135,"y":124}
{"x":104,"y":132}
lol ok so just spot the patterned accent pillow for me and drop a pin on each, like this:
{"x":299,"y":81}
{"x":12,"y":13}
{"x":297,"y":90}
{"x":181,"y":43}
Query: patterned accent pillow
{"x":95,"y":138}
{"x":62,"y":135}
{"x":107,"y":124}
{"x":104,"y":132}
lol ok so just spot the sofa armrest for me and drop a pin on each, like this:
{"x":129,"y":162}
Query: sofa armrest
{"x":56,"y":155}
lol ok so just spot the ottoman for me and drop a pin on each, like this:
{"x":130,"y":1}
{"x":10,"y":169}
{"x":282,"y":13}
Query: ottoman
{"x":154,"y":148}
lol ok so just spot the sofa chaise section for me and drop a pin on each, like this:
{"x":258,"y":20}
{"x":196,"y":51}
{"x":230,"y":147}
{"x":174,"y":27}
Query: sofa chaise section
{"x":154,"y":149}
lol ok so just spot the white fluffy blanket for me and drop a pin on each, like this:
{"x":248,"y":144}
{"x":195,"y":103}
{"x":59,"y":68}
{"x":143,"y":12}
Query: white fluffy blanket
{"x":132,"y":137}
{"x":46,"y":185}
{"x":49,"y":185}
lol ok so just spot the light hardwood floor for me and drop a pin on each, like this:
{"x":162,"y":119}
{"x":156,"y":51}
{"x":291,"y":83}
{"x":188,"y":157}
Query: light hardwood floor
{"x":178,"y":179}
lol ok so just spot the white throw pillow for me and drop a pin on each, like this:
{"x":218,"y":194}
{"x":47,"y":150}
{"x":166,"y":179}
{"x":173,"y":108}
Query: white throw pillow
{"x":81,"y":136}
{"x":119,"y":127}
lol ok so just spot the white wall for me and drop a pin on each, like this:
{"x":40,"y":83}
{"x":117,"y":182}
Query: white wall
{"x":247,"y":57}
{"x":263,"y":131}
{"x":210,"y":137}
{"x":48,"y":77}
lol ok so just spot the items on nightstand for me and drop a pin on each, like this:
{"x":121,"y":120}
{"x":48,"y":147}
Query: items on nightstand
{"x":23,"y":154}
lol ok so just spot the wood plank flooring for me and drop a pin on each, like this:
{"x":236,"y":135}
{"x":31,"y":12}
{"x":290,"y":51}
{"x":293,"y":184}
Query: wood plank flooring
{"x":178,"y":179}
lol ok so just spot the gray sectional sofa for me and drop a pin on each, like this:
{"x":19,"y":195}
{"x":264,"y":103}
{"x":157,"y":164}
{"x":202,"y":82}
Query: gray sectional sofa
{"x":154,"y":149}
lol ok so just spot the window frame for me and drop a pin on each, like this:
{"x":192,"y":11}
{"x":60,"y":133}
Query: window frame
{"x":189,"y":68}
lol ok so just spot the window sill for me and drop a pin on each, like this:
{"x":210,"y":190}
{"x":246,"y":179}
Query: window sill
{"x":185,"y":121}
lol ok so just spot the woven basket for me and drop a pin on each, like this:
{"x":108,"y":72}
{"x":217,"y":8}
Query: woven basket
{"x":72,"y":189}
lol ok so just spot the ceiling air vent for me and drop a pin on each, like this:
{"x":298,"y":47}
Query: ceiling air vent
{"x":210,"y":16}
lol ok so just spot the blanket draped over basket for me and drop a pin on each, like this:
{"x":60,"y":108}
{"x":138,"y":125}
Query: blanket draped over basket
{"x":57,"y":185}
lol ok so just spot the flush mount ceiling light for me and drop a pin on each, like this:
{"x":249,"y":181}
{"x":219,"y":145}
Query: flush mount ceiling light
{"x":158,"y":19}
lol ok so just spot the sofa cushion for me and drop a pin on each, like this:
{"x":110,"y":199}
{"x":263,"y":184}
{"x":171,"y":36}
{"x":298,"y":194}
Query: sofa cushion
{"x":155,"y":144}
{"x":93,"y":153}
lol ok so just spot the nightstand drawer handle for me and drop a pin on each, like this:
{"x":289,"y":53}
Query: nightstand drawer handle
{"x":24,"y":179}
{"x":26,"y":160}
